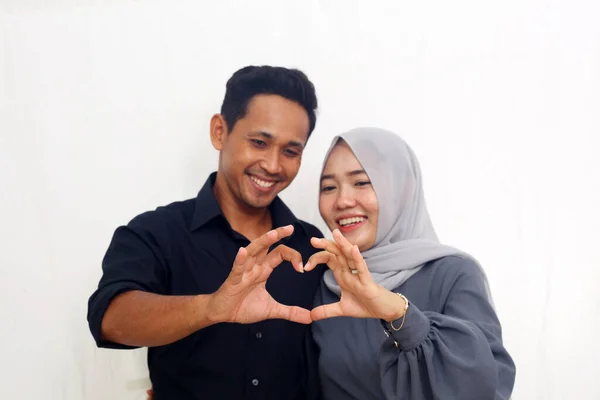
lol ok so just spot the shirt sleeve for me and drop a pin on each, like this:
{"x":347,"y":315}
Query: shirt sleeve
{"x":457,"y":354}
{"x":134,"y":261}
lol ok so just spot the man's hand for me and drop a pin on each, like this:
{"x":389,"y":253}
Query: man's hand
{"x":243,"y":297}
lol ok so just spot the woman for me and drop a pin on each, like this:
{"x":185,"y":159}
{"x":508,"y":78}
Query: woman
{"x":415,"y":318}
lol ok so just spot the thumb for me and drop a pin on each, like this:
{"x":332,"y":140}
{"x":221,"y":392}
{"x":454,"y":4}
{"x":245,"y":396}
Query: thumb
{"x":326,"y":311}
{"x":290,"y":313}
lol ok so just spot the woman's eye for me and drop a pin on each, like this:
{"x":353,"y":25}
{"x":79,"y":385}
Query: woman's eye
{"x":327,"y":188}
{"x":363,"y":183}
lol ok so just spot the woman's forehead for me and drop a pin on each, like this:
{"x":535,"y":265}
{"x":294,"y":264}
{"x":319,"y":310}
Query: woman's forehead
{"x":341,"y":159}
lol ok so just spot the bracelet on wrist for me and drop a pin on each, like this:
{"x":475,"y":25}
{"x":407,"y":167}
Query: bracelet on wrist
{"x":385,"y":324}
{"x":403,"y":315}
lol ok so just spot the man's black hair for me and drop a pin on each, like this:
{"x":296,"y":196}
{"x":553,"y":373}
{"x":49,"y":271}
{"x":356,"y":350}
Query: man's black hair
{"x":250,"y":81}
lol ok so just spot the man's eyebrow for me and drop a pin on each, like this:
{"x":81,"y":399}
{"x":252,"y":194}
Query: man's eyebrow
{"x":270,"y":136}
{"x":264,"y":134}
{"x":351,"y":173}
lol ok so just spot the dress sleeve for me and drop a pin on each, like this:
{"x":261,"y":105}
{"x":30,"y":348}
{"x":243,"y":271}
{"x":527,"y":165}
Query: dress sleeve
{"x":455,"y":354}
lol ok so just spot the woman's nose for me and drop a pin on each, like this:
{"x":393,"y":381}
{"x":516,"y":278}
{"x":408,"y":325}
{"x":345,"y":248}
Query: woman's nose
{"x":346,"y":198}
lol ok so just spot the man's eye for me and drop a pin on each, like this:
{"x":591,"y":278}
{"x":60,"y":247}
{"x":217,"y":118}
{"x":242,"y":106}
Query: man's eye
{"x":258,"y":143}
{"x":292,"y":153}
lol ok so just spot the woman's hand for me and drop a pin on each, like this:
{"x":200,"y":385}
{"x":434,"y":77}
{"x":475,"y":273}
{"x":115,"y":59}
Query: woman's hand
{"x":360,"y":297}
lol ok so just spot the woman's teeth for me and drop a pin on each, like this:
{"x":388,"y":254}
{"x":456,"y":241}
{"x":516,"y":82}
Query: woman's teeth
{"x":351,"y":221}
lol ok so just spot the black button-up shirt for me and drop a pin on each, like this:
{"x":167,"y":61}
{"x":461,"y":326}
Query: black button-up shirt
{"x":188,"y":248}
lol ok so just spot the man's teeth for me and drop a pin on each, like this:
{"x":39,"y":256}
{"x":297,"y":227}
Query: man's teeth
{"x":351,"y":221}
{"x":262,"y":183}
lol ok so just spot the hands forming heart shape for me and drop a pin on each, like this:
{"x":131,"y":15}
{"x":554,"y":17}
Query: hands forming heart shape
{"x":243,"y":297}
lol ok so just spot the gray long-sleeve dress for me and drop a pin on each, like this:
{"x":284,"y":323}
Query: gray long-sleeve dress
{"x":450,"y":346}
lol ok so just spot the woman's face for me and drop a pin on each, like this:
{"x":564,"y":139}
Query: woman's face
{"x":347,"y":200}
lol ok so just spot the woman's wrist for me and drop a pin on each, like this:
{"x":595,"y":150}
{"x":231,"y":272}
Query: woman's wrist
{"x":395,"y":307}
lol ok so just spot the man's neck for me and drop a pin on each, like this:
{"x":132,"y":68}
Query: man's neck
{"x":248,"y":221}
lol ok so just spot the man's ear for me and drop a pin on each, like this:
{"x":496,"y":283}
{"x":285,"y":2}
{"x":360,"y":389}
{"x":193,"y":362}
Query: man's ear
{"x":218,"y":131}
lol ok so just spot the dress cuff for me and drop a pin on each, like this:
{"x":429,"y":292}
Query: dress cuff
{"x":414,"y":330}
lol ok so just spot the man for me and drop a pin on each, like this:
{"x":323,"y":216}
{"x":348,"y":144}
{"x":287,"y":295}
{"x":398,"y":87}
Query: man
{"x":194,"y":281}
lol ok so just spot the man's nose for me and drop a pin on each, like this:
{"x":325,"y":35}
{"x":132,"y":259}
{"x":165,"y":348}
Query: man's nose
{"x":271,"y":163}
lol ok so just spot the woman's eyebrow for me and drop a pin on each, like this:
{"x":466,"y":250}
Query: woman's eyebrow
{"x":351,"y":173}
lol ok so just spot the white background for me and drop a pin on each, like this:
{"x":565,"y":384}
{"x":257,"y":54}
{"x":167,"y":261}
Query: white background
{"x":104,"y":112}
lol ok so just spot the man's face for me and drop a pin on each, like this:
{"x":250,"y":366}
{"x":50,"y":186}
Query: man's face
{"x":261,"y":155}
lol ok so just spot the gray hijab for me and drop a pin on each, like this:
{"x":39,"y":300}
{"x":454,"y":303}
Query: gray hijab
{"x":406,"y":239}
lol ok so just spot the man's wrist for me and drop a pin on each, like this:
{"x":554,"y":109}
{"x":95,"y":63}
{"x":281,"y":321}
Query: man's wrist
{"x":204,"y":313}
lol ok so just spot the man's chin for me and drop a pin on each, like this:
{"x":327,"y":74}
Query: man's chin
{"x":259,"y":202}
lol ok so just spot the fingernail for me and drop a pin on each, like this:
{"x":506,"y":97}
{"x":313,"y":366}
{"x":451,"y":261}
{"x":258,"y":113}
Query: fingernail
{"x":306,"y":266}
{"x":301,"y":268}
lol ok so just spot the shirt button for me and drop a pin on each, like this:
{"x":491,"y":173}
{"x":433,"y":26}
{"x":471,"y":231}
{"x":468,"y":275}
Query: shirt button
{"x":258,"y":335}
{"x":255,"y":382}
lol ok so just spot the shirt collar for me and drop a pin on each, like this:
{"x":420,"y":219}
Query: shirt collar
{"x":207,"y":208}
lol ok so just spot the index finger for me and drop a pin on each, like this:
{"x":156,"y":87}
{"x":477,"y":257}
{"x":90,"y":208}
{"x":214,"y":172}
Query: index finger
{"x":281,"y":253}
{"x":327,"y":245}
{"x":343,"y":243}
{"x":268,"y":239}
{"x":322,"y":257}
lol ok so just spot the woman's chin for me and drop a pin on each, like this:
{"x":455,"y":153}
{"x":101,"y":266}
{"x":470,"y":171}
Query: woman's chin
{"x":360,"y":236}
{"x":356,"y":239}
{"x":361,"y":239}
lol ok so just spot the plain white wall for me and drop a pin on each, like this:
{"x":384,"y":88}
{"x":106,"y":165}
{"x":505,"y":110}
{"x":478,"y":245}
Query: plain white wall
{"x":104,"y":110}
